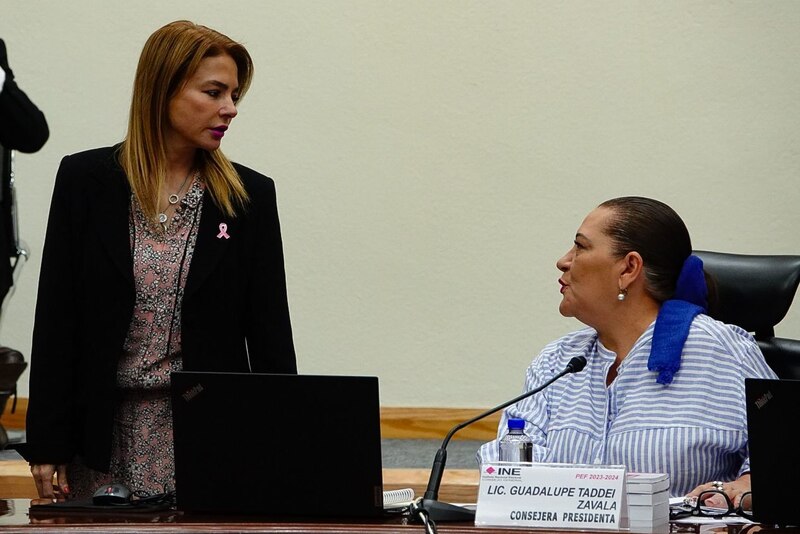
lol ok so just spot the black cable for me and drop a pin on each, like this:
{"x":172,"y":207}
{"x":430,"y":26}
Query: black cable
{"x":158,"y":498}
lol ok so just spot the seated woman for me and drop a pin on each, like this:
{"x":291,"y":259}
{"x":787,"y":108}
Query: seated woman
{"x":663,"y":389}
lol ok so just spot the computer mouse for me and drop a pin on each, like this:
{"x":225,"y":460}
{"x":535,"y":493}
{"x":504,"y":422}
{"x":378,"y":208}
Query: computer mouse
{"x":113,"y":493}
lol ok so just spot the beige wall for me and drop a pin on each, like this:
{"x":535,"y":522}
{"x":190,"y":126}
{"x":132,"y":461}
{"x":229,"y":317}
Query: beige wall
{"x":433,"y":159}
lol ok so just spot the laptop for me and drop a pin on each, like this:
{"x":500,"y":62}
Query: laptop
{"x":277,"y":445}
{"x":772,"y":408}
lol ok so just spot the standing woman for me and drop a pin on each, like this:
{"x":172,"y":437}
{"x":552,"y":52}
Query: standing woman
{"x":160,"y":255}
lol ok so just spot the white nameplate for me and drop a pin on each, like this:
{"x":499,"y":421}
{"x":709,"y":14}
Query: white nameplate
{"x":550,"y":495}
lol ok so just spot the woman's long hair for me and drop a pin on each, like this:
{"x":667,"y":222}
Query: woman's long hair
{"x":171,"y":55}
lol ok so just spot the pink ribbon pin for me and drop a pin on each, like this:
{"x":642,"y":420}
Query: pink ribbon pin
{"x":223,"y":231}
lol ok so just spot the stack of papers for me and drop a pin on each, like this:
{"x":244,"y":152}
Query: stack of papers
{"x":647,"y":495}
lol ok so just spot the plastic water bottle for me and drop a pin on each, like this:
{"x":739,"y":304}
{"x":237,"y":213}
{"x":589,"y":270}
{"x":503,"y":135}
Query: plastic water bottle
{"x":516,"y":446}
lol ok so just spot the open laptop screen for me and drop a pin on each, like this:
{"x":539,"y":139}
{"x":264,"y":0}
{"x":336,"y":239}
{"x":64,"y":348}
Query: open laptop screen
{"x":772,"y":415}
{"x":271,"y":444}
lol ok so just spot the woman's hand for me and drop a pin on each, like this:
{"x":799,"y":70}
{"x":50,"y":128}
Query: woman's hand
{"x":43,"y":477}
{"x":733,"y":490}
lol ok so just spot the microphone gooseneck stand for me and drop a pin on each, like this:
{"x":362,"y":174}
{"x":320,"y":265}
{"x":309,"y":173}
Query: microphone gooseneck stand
{"x":429,"y":509}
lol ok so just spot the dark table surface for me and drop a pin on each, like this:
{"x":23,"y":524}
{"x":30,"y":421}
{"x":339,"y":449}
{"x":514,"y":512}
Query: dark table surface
{"x":15,"y":516}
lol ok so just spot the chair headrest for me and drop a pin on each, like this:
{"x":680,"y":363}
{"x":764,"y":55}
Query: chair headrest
{"x":753,"y":291}
{"x":783,"y":356}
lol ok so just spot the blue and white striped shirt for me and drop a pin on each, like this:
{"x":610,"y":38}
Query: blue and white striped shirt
{"x":694,"y":429}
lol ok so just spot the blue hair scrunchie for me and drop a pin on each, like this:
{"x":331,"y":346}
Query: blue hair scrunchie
{"x":674,"y":319}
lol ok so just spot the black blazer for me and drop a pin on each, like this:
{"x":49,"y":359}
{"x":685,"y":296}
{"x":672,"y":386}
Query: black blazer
{"x":24,"y":128}
{"x":235,"y":313}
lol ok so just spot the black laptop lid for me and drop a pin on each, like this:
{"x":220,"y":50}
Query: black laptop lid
{"x":269,"y":444}
{"x":772,"y":408}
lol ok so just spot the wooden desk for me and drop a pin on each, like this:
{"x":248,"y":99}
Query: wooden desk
{"x":14,"y":518}
{"x":16,"y":481}
{"x":458,"y":485}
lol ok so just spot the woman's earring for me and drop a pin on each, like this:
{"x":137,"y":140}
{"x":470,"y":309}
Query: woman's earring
{"x":622,"y":294}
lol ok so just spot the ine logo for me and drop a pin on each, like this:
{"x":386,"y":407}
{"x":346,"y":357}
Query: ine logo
{"x":513,"y":471}
{"x":763,"y":399}
{"x":192,"y":392}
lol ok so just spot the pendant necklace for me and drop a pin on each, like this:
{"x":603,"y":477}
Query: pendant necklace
{"x":172,"y":200}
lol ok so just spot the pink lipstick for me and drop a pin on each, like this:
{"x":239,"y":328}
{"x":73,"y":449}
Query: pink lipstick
{"x":218,"y":132}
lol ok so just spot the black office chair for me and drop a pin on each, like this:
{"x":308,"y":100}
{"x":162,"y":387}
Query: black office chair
{"x":755,"y":292}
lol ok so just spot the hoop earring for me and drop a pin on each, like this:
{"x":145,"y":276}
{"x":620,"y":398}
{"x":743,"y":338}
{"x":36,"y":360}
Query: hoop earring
{"x":622,"y":294}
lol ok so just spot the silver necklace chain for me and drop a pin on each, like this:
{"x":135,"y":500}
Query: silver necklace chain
{"x":173,"y":199}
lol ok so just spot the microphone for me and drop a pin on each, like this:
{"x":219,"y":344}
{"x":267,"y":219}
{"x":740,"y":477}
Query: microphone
{"x":428,"y":507}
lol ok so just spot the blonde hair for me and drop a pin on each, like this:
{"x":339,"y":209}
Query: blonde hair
{"x":171,"y":55}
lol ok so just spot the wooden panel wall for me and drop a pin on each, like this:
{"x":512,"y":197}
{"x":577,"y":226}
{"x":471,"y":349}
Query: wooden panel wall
{"x":404,"y":423}
{"x":435,"y":423}
{"x":14,"y":420}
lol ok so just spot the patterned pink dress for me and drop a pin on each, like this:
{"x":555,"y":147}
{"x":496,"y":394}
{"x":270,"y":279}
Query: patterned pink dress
{"x":142,"y":457}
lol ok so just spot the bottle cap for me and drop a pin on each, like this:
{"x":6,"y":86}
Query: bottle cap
{"x":516,"y":424}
